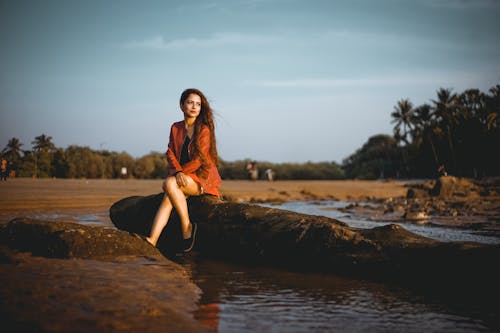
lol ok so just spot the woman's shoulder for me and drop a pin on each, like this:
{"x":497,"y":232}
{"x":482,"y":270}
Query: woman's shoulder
{"x":178,"y":124}
{"x":177,"y":127}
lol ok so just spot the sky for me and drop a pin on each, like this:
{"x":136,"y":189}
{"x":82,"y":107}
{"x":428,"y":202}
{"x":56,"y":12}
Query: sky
{"x":289,"y":80}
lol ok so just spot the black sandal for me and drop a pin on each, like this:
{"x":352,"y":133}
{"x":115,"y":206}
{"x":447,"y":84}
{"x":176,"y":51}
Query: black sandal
{"x":188,"y":244}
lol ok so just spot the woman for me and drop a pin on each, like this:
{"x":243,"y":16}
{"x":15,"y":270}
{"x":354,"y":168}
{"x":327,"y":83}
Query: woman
{"x":192,"y":159}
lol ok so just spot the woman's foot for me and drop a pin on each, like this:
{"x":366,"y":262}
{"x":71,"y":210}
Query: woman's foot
{"x":144,"y":238}
{"x":149,"y":240}
{"x":188,"y":244}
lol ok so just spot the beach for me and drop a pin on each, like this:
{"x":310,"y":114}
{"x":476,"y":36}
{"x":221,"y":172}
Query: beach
{"x":66,"y":197}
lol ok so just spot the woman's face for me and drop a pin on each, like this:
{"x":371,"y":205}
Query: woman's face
{"x":192,"y":106}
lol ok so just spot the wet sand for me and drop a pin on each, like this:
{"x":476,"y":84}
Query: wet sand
{"x":24,"y":196}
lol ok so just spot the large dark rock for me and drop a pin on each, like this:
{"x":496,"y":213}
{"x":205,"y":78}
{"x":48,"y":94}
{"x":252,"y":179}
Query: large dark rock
{"x":112,"y":282}
{"x":54,"y":239}
{"x":253,"y":233}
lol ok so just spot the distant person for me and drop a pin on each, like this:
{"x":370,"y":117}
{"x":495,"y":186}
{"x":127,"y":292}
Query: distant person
{"x":3,"y":171}
{"x":11,"y":169}
{"x":442,"y":171}
{"x":192,"y":157}
{"x":123,"y":172}
{"x":269,"y":174}
{"x":253,"y":171}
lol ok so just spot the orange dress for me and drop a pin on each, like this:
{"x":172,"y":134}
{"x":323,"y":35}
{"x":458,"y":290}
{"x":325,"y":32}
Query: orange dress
{"x":209,"y":183}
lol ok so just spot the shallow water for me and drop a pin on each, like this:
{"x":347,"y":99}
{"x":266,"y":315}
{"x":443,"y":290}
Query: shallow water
{"x":330,"y":209}
{"x":240,"y":298}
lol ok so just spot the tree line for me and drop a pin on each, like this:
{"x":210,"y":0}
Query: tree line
{"x":46,"y":160}
{"x":457,"y":132}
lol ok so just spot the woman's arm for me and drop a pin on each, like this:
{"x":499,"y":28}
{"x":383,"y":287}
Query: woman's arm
{"x":172,"y":160}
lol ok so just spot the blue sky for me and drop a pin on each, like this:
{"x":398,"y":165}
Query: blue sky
{"x":291,"y":81}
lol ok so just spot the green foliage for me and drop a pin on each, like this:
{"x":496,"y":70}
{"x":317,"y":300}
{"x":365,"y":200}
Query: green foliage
{"x":283,"y":171}
{"x":12,"y":151}
{"x":378,"y":158}
{"x":459,"y":131}
{"x":153,"y":165}
{"x":46,"y":160}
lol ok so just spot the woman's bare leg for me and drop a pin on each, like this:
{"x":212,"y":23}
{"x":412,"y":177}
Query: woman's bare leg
{"x":161,"y":220}
{"x":178,"y":198}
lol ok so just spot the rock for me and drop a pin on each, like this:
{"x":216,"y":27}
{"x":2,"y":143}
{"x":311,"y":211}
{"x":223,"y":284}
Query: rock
{"x":420,"y":215}
{"x":444,"y":187}
{"x":53,"y":239}
{"x":413,"y":193}
{"x":112,"y":282}
{"x":449,"y":186}
{"x":255,"y":234}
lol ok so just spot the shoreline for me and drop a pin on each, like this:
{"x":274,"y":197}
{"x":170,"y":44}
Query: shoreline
{"x":19,"y":196}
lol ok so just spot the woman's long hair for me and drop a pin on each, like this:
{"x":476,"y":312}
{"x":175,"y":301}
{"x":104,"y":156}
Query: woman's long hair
{"x":205,"y":118}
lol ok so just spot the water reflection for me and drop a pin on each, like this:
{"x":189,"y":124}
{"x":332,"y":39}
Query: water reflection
{"x":239,"y":298}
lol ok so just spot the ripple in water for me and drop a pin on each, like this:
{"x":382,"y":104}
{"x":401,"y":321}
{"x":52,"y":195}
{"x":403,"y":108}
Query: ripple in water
{"x":256,"y":299}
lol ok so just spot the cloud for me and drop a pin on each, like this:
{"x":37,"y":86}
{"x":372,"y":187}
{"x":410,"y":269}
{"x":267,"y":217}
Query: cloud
{"x":215,"y":40}
{"x":440,"y":78}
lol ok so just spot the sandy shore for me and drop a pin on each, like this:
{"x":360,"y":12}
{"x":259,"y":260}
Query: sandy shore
{"x":23,"y":196}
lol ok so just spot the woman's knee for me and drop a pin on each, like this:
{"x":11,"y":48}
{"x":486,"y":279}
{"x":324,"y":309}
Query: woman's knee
{"x":170,"y":184}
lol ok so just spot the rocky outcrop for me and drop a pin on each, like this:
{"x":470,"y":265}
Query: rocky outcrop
{"x":66,"y":277}
{"x":456,"y":202}
{"x":251,"y":233}
{"x":53,"y":239}
{"x":449,"y":186}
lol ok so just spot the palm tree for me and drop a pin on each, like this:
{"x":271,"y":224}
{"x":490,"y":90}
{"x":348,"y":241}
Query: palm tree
{"x":43,"y":143}
{"x":471,"y":129}
{"x":424,"y":126}
{"x":12,"y":150}
{"x":402,"y":116}
{"x":493,"y":109}
{"x":42,"y":148}
{"x":445,"y":110}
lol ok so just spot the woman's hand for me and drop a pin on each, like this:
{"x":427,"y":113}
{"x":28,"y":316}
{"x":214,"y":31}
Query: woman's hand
{"x":181,"y":179}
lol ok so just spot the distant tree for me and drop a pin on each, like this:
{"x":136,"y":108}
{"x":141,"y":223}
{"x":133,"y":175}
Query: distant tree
{"x":402,"y":116}
{"x":27,"y":167}
{"x":43,"y":148}
{"x":153,"y":165}
{"x":120,"y":160}
{"x":446,"y":109}
{"x":12,"y":150}
{"x":378,"y":158}
{"x":83,"y":162}
{"x":43,"y":143}
{"x":424,"y":129}
{"x":60,"y":164}
{"x":492,"y":119}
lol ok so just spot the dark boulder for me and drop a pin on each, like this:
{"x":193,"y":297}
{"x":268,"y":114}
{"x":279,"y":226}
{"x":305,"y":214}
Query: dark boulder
{"x":126,"y":286}
{"x":251,"y":233}
{"x":54,"y":239}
